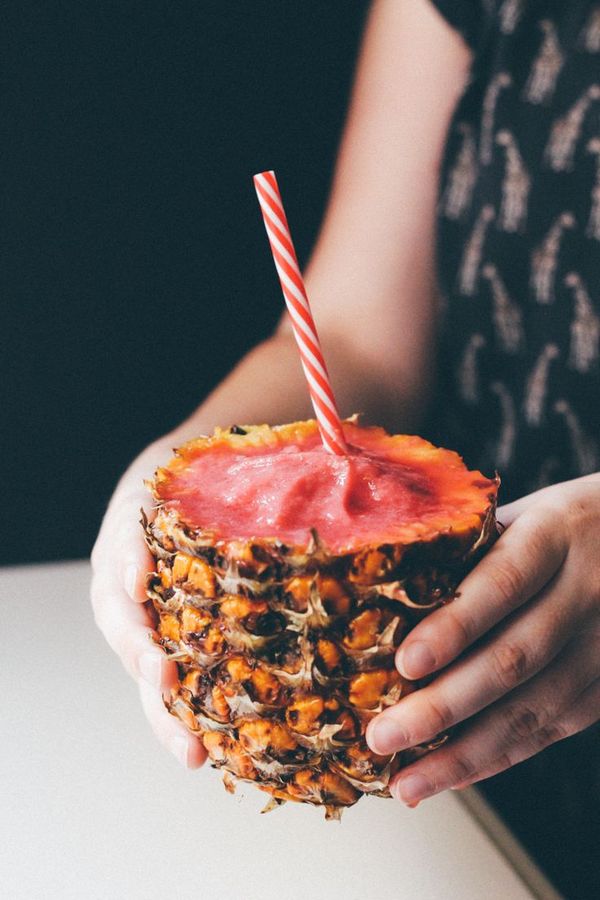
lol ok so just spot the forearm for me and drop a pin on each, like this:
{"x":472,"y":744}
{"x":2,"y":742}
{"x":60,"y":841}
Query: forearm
{"x":372,"y":276}
{"x":268,"y":385}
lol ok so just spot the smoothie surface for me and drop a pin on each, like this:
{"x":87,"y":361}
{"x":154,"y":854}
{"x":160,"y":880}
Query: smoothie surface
{"x":287,"y":490}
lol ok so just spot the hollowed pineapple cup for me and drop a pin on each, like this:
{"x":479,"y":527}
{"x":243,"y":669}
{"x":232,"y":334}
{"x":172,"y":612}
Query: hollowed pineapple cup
{"x":285,"y":651}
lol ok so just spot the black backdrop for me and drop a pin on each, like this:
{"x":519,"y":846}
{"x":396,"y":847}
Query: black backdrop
{"x":136,"y":269}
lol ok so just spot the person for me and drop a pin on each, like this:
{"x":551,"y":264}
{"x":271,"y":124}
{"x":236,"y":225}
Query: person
{"x":455,"y":286}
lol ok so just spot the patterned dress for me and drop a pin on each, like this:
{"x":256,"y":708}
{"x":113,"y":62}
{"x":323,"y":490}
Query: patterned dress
{"x":519,"y":268}
{"x":519,"y":244}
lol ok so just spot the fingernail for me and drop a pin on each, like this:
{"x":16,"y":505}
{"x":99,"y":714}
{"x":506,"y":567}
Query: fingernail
{"x":413,"y":788}
{"x":180,"y":748}
{"x":150,"y":668}
{"x":416,"y":661}
{"x":130,"y":581}
{"x":384,"y":737}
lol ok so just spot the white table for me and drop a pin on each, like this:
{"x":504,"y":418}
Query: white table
{"x":93,"y":807}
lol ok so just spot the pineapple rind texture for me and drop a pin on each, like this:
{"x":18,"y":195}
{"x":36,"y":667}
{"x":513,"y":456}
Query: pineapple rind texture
{"x":285,"y":654}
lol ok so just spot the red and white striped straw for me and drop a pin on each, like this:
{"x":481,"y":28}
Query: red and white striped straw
{"x":305,"y":331}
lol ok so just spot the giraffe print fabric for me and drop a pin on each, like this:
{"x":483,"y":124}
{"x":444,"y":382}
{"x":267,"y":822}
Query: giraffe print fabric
{"x":519,"y":244}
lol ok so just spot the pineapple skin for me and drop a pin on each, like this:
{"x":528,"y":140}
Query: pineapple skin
{"x":285,"y":654}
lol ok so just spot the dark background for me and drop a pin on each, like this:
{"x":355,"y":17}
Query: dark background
{"x":136,"y":270}
{"x":136,"y":267}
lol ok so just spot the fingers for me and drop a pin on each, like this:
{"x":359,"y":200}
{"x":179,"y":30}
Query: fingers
{"x":523,"y":647}
{"x":537,"y":714}
{"x":172,"y":734}
{"x":134,"y":559}
{"x":121,"y":549}
{"x":525,"y":558}
{"x":507,"y":514}
{"x":121,"y":563}
{"x":128,"y":630}
{"x":585,"y":712}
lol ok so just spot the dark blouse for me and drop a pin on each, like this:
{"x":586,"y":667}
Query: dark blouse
{"x":519,"y":268}
{"x":519,"y":244}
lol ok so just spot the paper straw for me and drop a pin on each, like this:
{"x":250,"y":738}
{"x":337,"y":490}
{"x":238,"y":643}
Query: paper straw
{"x":305,"y":331}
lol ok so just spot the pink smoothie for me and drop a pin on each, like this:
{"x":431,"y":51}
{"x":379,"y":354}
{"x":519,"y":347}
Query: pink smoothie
{"x":285,"y":491}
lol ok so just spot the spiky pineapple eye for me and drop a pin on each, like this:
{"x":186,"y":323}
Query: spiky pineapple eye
{"x":328,"y":656}
{"x":297,"y":591}
{"x":249,"y":560}
{"x":334,"y":597}
{"x":219,"y":703}
{"x":322,"y":787}
{"x":195,"y":573}
{"x":238,"y":669}
{"x":191,"y":681}
{"x":332,"y":594}
{"x":266,"y":736}
{"x":266,"y":687}
{"x":254,"y":615}
{"x":359,"y":762}
{"x":303,"y":714}
{"x":349,"y":730}
{"x":214,"y":641}
{"x":363,"y":629}
{"x":195,"y":622}
{"x":369,"y":567}
{"x":284,"y":656}
{"x":260,"y":684}
{"x":223,"y":750}
{"x":366,"y":688}
{"x":168,"y":627}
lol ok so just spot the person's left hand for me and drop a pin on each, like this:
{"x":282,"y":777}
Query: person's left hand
{"x":519,"y":648}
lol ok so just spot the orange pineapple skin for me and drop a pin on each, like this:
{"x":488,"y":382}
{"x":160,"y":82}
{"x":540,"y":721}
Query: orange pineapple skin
{"x":285,"y":653}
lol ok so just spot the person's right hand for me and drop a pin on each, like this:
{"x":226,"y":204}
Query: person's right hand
{"x":121,"y":562}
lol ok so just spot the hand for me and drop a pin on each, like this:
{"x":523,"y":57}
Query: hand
{"x":517,"y":649}
{"x":120,"y":562}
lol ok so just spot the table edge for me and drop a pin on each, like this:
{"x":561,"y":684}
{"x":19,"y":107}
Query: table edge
{"x":508,"y":845}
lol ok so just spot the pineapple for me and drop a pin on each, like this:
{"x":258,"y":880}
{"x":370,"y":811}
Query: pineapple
{"x":285,"y":650}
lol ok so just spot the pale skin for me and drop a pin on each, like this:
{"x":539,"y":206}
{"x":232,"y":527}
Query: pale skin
{"x":516,"y":651}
